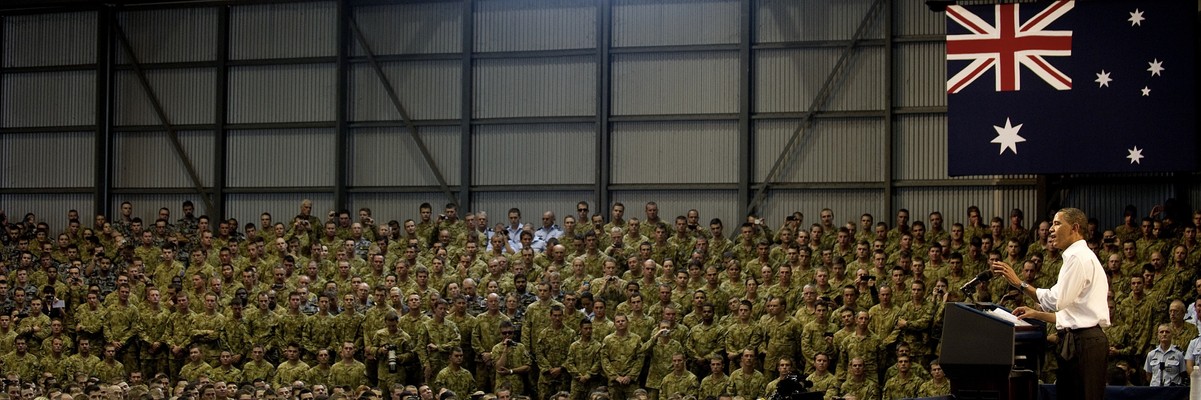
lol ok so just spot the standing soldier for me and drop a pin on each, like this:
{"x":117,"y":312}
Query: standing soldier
{"x":348,"y":372}
{"x":619,"y":359}
{"x":549,"y":355}
{"x":746,"y":381}
{"x":454,"y":377}
{"x":680,"y":381}
{"x":906,"y":384}
{"x":781,"y":332}
{"x":439,"y":336}
{"x":392,"y":348}
{"x":120,"y":324}
{"x":582,"y":361}
{"x":512,"y":358}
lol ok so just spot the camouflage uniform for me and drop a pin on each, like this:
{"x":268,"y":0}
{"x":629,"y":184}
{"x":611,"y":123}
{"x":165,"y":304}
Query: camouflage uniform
{"x":748,"y":386}
{"x":350,"y":374}
{"x":682,"y":383}
{"x":549,"y":354}
{"x":619,"y":356}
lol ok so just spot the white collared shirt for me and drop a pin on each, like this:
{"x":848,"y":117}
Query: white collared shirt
{"x":1079,"y":296}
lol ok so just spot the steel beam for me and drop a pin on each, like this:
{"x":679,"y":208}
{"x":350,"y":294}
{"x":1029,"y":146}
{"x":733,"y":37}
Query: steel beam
{"x":819,"y":101}
{"x":161,"y":113}
{"x":746,"y":160}
{"x":889,"y":136}
{"x":103,"y":141}
{"x":466,"y":101}
{"x":341,"y":104}
{"x":604,"y":31}
{"x":220,"y":115}
{"x":395,"y":99}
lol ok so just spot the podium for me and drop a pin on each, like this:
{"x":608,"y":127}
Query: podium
{"x":980,"y":352}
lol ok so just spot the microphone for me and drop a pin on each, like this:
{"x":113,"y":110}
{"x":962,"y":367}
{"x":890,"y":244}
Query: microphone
{"x":982,"y":277}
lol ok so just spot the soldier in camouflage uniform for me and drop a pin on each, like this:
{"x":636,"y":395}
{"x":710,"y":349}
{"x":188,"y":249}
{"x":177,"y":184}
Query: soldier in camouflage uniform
{"x":512,"y":358}
{"x":348,"y":371}
{"x":906,"y":384}
{"x":660,"y":348}
{"x":746,"y":381}
{"x":619,"y":359}
{"x":392,"y":348}
{"x":292,"y":369}
{"x":858,"y":383}
{"x":581,"y":361}
{"x":549,"y":355}
{"x":680,"y":381}
{"x":454,"y":377}
{"x":20,"y":361}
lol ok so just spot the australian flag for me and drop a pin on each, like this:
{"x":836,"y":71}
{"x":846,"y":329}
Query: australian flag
{"x":1071,"y":87}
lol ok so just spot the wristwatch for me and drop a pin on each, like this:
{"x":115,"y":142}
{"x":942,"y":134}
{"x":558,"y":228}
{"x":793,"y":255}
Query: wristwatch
{"x":1024,"y":286}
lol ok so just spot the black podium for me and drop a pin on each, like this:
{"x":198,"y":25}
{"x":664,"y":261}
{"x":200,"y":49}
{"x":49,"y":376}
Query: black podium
{"x":978,"y":353}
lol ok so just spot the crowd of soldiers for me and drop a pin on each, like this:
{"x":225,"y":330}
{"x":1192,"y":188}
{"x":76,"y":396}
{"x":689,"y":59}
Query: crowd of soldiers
{"x":584,"y":307}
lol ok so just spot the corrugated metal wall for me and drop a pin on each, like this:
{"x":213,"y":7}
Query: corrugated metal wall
{"x":507,"y":25}
{"x":788,"y":80}
{"x":551,"y":154}
{"x":527,"y":87}
{"x":1107,"y":202}
{"x":286,"y":93}
{"x":145,"y":206}
{"x":186,"y":95}
{"x":394,"y":206}
{"x":49,"y":39}
{"x":669,"y":23}
{"x":170,"y":35}
{"x":954,"y":201}
{"x":283,"y":30}
{"x":675,"y":152}
{"x":427,"y":90}
{"x":833,"y":150}
{"x":46,"y":160}
{"x":388,"y":156}
{"x":148,"y":160}
{"x":38,"y":99}
{"x":281,"y":158}
{"x":417,"y":28}
{"x":675,"y":83}
{"x":794,"y":21}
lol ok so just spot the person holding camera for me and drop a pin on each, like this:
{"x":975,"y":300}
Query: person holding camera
{"x":393,"y":348}
{"x":512,"y":359}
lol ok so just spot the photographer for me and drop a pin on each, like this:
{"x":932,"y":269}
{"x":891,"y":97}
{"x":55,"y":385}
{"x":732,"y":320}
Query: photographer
{"x":512,"y":359}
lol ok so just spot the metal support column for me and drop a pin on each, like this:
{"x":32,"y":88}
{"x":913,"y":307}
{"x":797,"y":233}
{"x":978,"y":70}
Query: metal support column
{"x":467,"y":87}
{"x":161,"y":113}
{"x":220,"y":115}
{"x":889,"y":134}
{"x":837,"y":74}
{"x":746,"y":160}
{"x":341,"y":159}
{"x":103,"y":142}
{"x":604,"y":27}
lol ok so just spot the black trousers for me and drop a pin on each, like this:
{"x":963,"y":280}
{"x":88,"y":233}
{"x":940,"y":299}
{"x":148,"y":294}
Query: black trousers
{"x":1082,"y":356}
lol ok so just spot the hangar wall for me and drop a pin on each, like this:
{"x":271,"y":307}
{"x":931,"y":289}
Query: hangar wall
{"x":245,"y":107}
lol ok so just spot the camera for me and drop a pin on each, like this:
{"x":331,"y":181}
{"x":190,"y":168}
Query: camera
{"x":392,"y":364}
{"x":509,"y":342}
{"x":441,"y":217}
{"x":869,"y":278}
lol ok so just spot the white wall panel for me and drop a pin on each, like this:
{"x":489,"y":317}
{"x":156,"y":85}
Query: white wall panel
{"x":417,"y":28}
{"x":170,"y":35}
{"x":531,"y":204}
{"x":50,"y":39}
{"x":508,"y":25}
{"x":674,"y":152}
{"x":675,"y":83}
{"x":47,"y":160}
{"x":921,"y":77}
{"x":389,"y":157}
{"x":186,"y":95}
{"x":247,"y":207}
{"x":534,"y":154}
{"x":283,"y":30}
{"x":832,"y":150}
{"x":148,"y":160}
{"x":525,"y":87}
{"x":427,"y":90}
{"x":49,"y":209}
{"x":709,"y":204}
{"x":791,"y":21}
{"x":65,"y":98}
{"x":283,"y":93}
{"x":954,"y":201}
{"x":847,"y":205}
{"x":655,"y":23}
{"x":280,"y":158}
{"x":788,"y":80}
